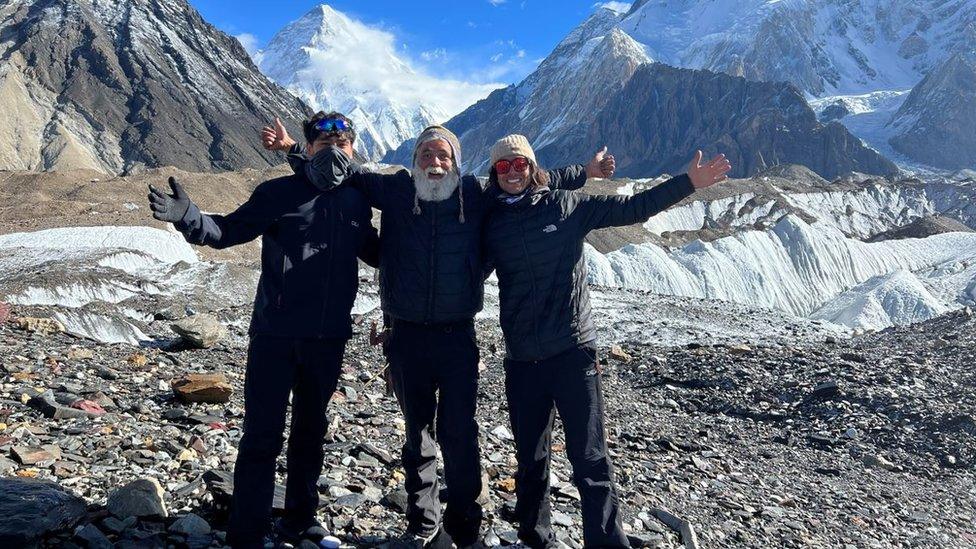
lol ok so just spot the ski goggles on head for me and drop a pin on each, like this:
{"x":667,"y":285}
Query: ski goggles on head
{"x":519,"y":163}
{"x":332,"y":125}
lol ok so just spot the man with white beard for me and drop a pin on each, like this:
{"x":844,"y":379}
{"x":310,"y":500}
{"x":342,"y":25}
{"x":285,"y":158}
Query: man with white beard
{"x":431,"y":287}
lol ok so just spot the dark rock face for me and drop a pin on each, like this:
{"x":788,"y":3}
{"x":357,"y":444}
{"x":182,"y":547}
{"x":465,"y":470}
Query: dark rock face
{"x":936,"y":123}
{"x":835,"y":111}
{"x":122,"y":85}
{"x":664,"y":114}
{"x":921,"y":228}
{"x":34,"y":508}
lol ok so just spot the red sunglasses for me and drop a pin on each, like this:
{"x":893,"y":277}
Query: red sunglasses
{"x":518,"y":164}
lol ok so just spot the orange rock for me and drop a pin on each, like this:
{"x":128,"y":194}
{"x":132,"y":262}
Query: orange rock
{"x":506,"y":484}
{"x":138,"y":359}
{"x":211,"y":388}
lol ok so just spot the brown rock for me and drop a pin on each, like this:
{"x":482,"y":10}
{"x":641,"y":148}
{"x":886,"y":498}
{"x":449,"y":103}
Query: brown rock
{"x":80,"y":354}
{"x":39,"y":325}
{"x":4,"y":312}
{"x":619,"y":354}
{"x":741,"y":349}
{"x":29,"y":456}
{"x":212,"y":388}
{"x":506,"y":484}
{"x":138,"y":359}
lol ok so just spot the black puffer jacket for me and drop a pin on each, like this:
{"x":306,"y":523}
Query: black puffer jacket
{"x":310,"y":239}
{"x":431,"y":266}
{"x":536,"y":247}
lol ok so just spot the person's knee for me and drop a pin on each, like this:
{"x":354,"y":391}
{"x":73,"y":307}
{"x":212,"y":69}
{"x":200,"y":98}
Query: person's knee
{"x":261,"y":445}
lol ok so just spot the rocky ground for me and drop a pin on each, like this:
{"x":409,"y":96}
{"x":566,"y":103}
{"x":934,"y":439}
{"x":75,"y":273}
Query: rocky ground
{"x":818,"y":441}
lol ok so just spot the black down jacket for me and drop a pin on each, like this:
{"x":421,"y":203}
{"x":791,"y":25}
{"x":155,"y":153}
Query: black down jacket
{"x":536,"y":247}
{"x":310,"y":239}
{"x":431,"y":265}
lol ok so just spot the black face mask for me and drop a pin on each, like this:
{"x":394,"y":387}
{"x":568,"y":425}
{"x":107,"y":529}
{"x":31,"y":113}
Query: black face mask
{"x":327,"y":168}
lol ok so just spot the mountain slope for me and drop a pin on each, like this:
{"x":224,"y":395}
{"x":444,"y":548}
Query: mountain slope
{"x":564,"y":93}
{"x":119,"y":85}
{"x":936,"y":123}
{"x":336,"y":63}
{"x":663,"y":114}
{"x":824,"y":47}
{"x":598,"y":87}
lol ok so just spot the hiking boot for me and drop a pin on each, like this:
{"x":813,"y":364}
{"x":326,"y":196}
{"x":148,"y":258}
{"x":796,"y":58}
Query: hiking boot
{"x":292,"y":533}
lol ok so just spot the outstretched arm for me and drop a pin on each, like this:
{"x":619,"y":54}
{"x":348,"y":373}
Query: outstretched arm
{"x":617,"y":211}
{"x":217,"y":231}
{"x":574,"y":177}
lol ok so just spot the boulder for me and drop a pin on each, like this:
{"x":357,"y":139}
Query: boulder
{"x":617,"y":352}
{"x":32,"y":456}
{"x":46,"y":403}
{"x":190,"y":525}
{"x":32,"y":509}
{"x":210,"y":388}
{"x":39,"y":325}
{"x":201,"y":330}
{"x":139,"y":498}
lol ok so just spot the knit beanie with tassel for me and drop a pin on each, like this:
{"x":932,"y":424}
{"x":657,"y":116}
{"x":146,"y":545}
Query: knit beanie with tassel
{"x":433,"y":133}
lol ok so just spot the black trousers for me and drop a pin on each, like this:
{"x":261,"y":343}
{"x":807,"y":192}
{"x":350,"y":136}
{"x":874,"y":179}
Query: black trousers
{"x":309,"y":370}
{"x":570,"y":383}
{"x":435,"y":376}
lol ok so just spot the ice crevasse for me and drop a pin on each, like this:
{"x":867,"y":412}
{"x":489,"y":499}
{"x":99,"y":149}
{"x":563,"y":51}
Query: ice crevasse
{"x":795,"y":267}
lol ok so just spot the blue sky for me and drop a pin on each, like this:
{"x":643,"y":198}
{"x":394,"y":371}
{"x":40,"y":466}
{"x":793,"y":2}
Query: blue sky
{"x":478,"y":41}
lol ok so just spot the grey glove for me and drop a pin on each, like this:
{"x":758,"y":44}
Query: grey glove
{"x":169,"y":208}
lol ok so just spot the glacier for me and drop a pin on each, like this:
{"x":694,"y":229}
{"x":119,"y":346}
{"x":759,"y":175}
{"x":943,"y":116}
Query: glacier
{"x":795,"y":266}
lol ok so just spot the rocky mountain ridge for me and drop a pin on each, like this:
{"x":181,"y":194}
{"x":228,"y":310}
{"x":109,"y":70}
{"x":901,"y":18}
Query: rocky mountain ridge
{"x":599,"y":87}
{"x":121,"y":85}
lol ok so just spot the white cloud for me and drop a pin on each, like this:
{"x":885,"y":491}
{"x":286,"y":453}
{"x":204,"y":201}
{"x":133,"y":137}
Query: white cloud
{"x":619,"y":7}
{"x":389,"y":73}
{"x":250,"y":43}
{"x":496,"y":2}
{"x":434,"y":55}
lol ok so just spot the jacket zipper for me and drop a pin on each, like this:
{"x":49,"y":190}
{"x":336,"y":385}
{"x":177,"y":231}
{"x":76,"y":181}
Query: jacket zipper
{"x":432,"y":261}
{"x":330,"y":211}
{"x":535,"y":292}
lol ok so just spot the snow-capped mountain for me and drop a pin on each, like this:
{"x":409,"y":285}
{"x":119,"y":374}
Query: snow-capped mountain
{"x":566,"y":91}
{"x":598,"y":87}
{"x":120,"y":85}
{"x":935,"y":125}
{"x":333,"y":62}
{"x":825,"y":47}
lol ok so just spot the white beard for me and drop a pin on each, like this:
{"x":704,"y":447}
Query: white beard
{"x":430,"y":190}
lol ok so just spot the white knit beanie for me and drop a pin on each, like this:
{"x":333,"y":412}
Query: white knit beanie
{"x":512,"y":145}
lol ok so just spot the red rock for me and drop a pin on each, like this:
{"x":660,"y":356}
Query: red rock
{"x":88,"y":406}
{"x":4,"y":312}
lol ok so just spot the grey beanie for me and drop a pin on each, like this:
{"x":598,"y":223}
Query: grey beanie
{"x":433,"y":133}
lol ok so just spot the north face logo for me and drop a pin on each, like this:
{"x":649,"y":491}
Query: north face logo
{"x":550,"y":229}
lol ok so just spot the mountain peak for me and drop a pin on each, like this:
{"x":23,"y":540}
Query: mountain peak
{"x":124,"y":85}
{"x":334,"y":62}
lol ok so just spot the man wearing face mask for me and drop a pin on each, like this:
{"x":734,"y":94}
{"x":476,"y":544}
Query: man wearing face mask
{"x":431,"y":287}
{"x":312,"y":229}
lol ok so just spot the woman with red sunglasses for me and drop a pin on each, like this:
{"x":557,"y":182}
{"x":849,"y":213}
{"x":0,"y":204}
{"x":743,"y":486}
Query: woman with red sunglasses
{"x":534,"y":238}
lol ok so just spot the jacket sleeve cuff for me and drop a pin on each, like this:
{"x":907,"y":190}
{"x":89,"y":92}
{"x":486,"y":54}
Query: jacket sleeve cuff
{"x":190,"y":220}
